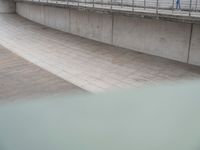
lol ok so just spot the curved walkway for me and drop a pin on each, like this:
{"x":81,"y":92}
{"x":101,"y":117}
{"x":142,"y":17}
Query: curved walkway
{"x":88,"y":64}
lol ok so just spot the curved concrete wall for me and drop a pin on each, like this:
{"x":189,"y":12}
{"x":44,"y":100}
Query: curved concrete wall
{"x":7,"y":6}
{"x":173,"y":40}
{"x":194,"y":57}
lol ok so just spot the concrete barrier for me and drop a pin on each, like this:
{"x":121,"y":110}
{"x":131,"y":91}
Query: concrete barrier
{"x":161,"y":38}
{"x":194,"y":56}
{"x":94,"y":26}
{"x":171,"y":40}
{"x":7,"y":6}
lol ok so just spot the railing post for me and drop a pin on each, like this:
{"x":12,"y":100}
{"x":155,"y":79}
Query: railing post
{"x":121,"y":3}
{"x":190,"y":7}
{"x":133,"y":5}
{"x":156,"y":6}
{"x":93,"y":3}
{"x":172,"y":6}
{"x":144,"y":4}
{"x":196,"y":5}
{"x":111,"y":4}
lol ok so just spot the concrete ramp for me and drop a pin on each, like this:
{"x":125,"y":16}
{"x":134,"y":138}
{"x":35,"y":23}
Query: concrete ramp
{"x":20,"y":79}
{"x":92,"y":65}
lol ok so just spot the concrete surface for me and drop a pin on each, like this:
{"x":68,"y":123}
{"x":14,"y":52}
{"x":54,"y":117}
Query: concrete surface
{"x":36,"y":13}
{"x":20,"y":79}
{"x":91,"y":25}
{"x":94,"y":66}
{"x":7,"y":6}
{"x":165,"y":39}
{"x":156,"y":37}
{"x":195,"y":46}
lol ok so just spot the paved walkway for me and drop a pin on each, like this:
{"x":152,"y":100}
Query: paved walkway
{"x":88,"y":64}
{"x":22,"y":79}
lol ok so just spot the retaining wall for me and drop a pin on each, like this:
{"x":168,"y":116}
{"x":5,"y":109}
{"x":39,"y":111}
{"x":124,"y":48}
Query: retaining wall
{"x":194,"y":55}
{"x":7,"y":6}
{"x":174,"y":40}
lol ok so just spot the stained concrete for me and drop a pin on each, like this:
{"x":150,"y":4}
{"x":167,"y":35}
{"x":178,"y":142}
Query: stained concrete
{"x":20,"y":79}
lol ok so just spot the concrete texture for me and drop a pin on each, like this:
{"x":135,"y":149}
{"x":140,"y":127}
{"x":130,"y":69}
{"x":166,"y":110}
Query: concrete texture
{"x":195,"y":46}
{"x":36,"y":13}
{"x":61,"y":18}
{"x":22,"y":79}
{"x":91,"y":25}
{"x":57,"y":18}
{"x":91,"y":65}
{"x":165,"y":39}
{"x":161,"y":38}
{"x":7,"y":6}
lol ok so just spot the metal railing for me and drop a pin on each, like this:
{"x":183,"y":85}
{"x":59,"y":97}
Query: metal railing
{"x":169,"y":7}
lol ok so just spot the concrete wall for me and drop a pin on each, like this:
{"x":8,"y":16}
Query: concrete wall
{"x":195,"y":46}
{"x":90,"y":25}
{"x":161,"y":38}
{"x":7,"y":6}
{"x":94,"y":26}
{"x":171,"y":40}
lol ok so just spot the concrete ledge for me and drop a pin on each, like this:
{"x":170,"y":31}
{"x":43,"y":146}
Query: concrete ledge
{"x":167,"y":39}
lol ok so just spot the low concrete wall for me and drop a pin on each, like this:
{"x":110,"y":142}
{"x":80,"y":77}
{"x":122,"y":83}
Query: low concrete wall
{"x":7,"y":6}
{"x":90,"y":25}
{"x":161,"y":38}
{"x":94,"y":26}
{"x":195,"y":46}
